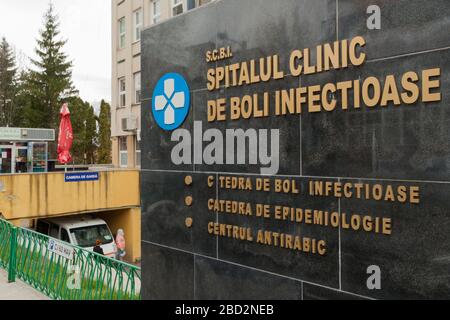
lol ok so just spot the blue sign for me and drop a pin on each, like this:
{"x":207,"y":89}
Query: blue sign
{"x":171,"y":101}
{"x":81,"y":176}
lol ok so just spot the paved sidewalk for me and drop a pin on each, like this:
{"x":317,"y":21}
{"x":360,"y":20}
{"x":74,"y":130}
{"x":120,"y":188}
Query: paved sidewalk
{"x":17,"y":290}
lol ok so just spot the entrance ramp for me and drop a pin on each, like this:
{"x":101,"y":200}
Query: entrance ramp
{"x":62,"y":271}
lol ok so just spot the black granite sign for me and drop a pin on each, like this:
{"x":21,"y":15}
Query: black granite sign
{"x":291,"y":151}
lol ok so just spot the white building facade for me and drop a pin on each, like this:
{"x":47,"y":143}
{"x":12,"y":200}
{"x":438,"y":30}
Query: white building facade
{"x":129,"y":18}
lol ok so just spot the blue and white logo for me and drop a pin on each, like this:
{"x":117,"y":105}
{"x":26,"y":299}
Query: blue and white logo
{"x":171,"y":101}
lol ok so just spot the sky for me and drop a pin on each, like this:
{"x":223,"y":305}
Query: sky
{"x":85,"y":24}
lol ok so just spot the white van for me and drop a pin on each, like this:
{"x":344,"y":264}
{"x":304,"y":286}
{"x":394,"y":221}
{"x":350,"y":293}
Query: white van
{"x":82,"y":231}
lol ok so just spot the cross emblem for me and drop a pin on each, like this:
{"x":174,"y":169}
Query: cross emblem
{"x":169,"y":101}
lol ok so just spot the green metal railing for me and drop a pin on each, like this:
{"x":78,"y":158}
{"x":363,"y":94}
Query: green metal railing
{"x":86,"y":276}
{"x":5,"y":243}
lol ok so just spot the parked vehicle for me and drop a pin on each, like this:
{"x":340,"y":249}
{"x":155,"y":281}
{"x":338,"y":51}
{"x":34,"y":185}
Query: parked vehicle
{"x":82,"y":231}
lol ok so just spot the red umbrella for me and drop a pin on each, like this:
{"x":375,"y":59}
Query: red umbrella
{"x":65,"y":137}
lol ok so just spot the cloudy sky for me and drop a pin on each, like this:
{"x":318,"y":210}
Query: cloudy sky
{"x":84,"y":23}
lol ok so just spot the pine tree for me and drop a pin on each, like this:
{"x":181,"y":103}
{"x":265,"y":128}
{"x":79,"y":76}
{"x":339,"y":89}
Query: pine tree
{"x":84,"y":126}
{"x":7,"y":84}
{"x":76,"y":107}
{"x":50,"y":84}
{"x":20,"y":118}
{"x":104,"y":134}
{"x":91,"y":134}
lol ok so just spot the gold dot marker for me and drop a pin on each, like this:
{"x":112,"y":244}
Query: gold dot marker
{"x":188,"y":201}
{"x":188,"y":180}
{"x":189,"y":222}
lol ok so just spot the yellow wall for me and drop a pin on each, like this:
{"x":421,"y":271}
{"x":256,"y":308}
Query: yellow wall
{"x":131,"y":141}
{"x":115,"y":198}
{"x":27,"y":196}
{"x":130,"y":221}
{"x":131,"y":152}
{"x":115,"y":151}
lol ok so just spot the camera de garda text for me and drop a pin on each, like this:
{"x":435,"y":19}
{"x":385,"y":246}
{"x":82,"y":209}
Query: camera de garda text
{"x":394,"y":90}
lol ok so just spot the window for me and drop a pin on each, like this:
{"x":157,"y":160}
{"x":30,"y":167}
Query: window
{"x":87,"y":236}
{"x":123,"y":152}
{"x":21,"y":158}
{"x":137,"y":16}
{"x":202,"y":2}
{"x":122,"y":92}
{"x":65,"y":236}
{"x":156,"y":11}
{"x":43,"y":227}
{"x":54,"y":231}
{"x":122,"y":33}
{"x":138,"y":152}
{"x":190,"y":4}
{"x":177,"y":7}
{"x":137,"y":87}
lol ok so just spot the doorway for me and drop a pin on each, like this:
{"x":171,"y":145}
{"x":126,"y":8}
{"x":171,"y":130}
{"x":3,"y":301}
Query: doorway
{"x":6,"y":159}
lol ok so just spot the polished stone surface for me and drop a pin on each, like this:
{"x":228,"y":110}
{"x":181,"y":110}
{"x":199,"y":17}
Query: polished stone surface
{"x":266,"y":28}
{"x":178,"y":45}
{"x":217,"y":280}
{"x":156,"y":147}
{"x":414,"y":260}
{"x":406,"y":145}
{"x":167,"y":274}
{"x":289,"y":146}
{"x":298,"y":265}
{"x":407,"y":26}
{"x":164,"y":211}
{"x":312,"y":292}
{"x":406,"y":142}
